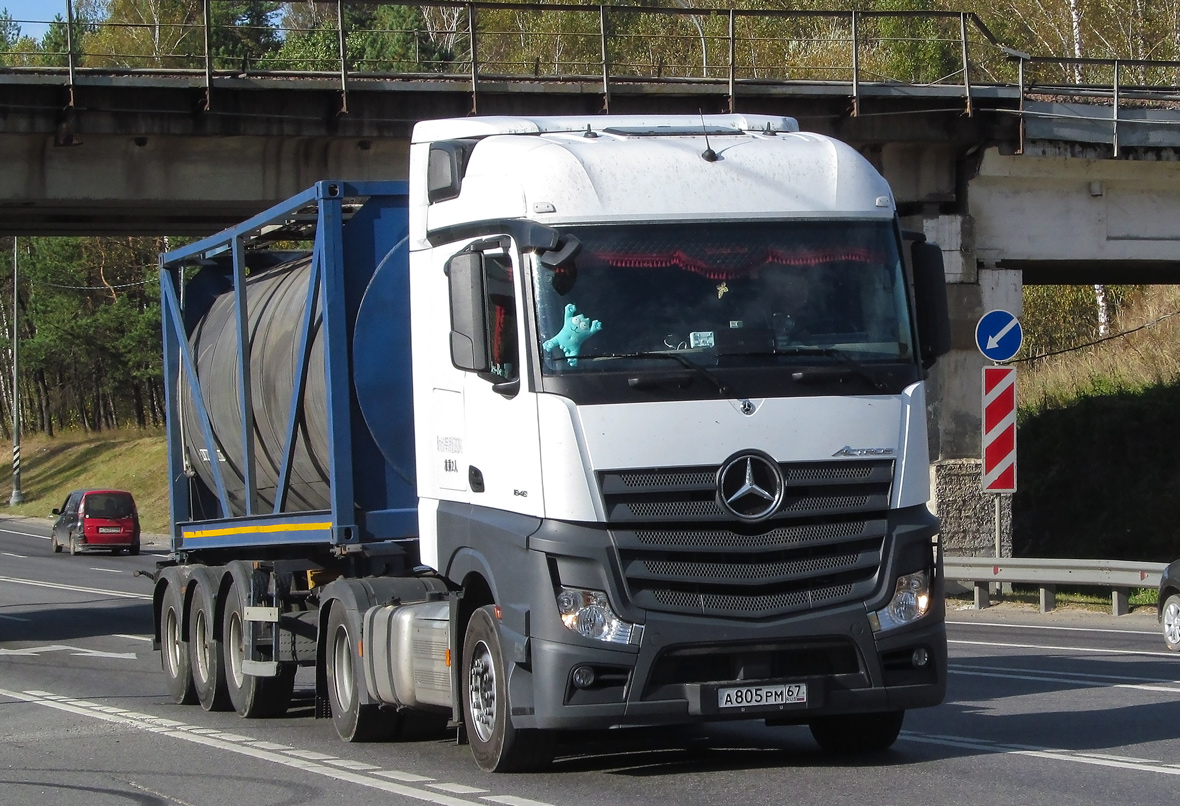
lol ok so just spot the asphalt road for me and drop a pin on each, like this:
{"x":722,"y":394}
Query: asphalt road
{"x":1062,"y":708}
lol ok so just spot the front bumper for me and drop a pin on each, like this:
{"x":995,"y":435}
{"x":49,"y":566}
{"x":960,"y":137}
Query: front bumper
{"x":846,"y":668}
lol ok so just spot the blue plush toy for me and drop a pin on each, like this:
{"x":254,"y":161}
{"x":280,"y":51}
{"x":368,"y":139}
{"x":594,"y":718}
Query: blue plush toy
{"x":577,"y":329}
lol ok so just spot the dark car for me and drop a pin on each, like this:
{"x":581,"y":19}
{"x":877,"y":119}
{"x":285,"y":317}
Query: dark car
{"x":1169,"y":605}
{"x":97,"y":520}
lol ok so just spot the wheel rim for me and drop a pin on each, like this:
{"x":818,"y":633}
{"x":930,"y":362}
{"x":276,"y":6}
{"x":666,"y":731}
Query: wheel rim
{"x":236,"y":649}
{"x":342,"y":677}
{"x":1172,"y":622}
{"x":201,"y":639}
{"x":482,"y":691}
{"x":172,"y":642}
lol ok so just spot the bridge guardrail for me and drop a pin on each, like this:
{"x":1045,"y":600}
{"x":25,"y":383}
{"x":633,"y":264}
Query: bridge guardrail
{"x":1118,"y":575}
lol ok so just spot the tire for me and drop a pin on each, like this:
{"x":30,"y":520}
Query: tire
{"x":73,"y":546}
{"x":54,"y":543}
{"x":495,"y":743}
{"x":134,"y":550}
{"x":857,"y":733}
{"x":354,"y":721}
{"x":206,"y":652}
{"x":174,"y":650}
{"x":252,"y":697}
{"x":1170,"y":621}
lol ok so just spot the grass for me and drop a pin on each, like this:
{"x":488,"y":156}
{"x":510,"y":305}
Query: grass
{"x":133,"y":460}
{"x":1140,"y":598}
{"x":1099,"y":467}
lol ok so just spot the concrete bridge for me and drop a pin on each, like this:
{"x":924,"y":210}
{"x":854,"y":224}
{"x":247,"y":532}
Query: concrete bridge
{"x":1024,"y":180}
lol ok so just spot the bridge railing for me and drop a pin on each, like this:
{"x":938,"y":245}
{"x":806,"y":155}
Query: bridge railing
{"x":710,"y":49}
{"x":716,"y":52}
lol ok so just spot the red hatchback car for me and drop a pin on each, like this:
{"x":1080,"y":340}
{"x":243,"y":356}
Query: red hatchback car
{"x":97,"y":520}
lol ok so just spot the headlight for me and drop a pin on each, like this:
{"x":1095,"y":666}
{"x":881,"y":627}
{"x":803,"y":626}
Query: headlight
{"x":911,"y":601}
{"x":589,"y":614}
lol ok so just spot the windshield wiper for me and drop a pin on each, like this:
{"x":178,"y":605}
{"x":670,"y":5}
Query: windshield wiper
{"x":857,"y":367}
{"x":721,"y":388}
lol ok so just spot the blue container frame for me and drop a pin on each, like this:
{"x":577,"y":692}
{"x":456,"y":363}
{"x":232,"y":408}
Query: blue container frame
{"x":385,"y":505}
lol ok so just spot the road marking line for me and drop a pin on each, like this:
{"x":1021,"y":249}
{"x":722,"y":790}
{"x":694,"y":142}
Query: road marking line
{"x":24,"y":534}
{"x":1074,"y":681}
{"x":512,"y":800}
{"x":77,"y":588}
{"x":1049,"y":627}
{"x":18,"y":556}
{"x":134,"y":637}
{"x":998,"y":645}
{"x":201,"y":736}
{"x":1077,"y":757}
{"x":1018,"y":670}
{"x":311,"y":755}
{"x":457,"y":789}
{"x":408,"y":777}
{"x":107,"y":570}
{"x":351,"y":765}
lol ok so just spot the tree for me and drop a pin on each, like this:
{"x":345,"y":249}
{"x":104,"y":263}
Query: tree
{"x":147,"y":33}
{"x":243,"y":32}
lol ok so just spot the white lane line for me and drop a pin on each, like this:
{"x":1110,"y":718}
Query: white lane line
{"x":1054,"y":754}
{"x":999,"y":645}
{"x":512,"y":800}
{"x":208,"y":738}
{"x":133,"y":637}
{"x":1043,"y":678}
{"x":77,"y":588}
{"x":457,"y":789}
{"x":1048,"y":627}
{"x":107,"y":570}
{"x":23,"y":534}
{"x":1116,"y":678}
{"x":408,"y":777}
{"x":18,"y":556}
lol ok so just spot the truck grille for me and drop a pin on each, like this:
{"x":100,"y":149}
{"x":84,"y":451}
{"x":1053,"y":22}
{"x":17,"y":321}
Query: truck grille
{"x":681,"y":552}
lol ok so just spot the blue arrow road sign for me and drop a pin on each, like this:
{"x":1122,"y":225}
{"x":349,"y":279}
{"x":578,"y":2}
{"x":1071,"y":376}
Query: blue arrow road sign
{"x":998,"y":335}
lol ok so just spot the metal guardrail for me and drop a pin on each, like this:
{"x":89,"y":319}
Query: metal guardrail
{"x":1118,"y":575}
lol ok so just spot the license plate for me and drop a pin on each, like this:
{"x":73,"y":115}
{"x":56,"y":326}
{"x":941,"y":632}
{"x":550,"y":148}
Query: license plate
{"x":756,"y":696}
{"x":109,"y":530}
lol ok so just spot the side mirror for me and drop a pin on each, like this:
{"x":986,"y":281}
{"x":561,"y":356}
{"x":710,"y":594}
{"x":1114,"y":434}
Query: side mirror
{"x":55,"y":511}
{"x":933,"y":316}
{"x":469,"y":330}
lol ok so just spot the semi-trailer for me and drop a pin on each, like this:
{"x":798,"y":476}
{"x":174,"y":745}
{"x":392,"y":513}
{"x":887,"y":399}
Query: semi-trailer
{"x":595,"y":422}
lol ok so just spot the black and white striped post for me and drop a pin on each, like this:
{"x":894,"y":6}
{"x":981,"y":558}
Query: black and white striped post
{"x":17,"y":497}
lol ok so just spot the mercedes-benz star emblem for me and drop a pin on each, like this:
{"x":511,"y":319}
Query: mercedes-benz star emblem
{"x":750,"y":485}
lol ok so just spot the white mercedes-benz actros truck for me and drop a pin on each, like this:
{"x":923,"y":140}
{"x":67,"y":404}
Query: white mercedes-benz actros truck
{"x":596,"y":422}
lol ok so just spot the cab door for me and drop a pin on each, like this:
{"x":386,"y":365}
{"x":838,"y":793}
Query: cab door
{"x":501,"y":442}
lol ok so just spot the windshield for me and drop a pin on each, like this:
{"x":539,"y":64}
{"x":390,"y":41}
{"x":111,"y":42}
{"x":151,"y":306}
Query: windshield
{"x":725,"y":294}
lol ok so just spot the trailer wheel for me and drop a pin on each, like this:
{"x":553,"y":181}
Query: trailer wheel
{"x":857,"y":733}
{"x":495,"y":743}
{"x":174,"y":651}
{"x":206,"y":651}
{"x":354,"y":721}
{"x":252,"y":697}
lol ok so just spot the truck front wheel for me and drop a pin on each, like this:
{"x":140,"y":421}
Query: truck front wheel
{"x":354,"y":721}
{"x":252,"y":697}
{"x":857,"y":733}
{"x":495,"y":743}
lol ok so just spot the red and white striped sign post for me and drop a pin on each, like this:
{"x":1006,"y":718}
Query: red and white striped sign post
{"x":999,"y":429}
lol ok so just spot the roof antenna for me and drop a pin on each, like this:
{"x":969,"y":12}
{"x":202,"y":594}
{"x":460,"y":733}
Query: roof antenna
{"x":709,"y":155}
{"x":589,"y":133}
